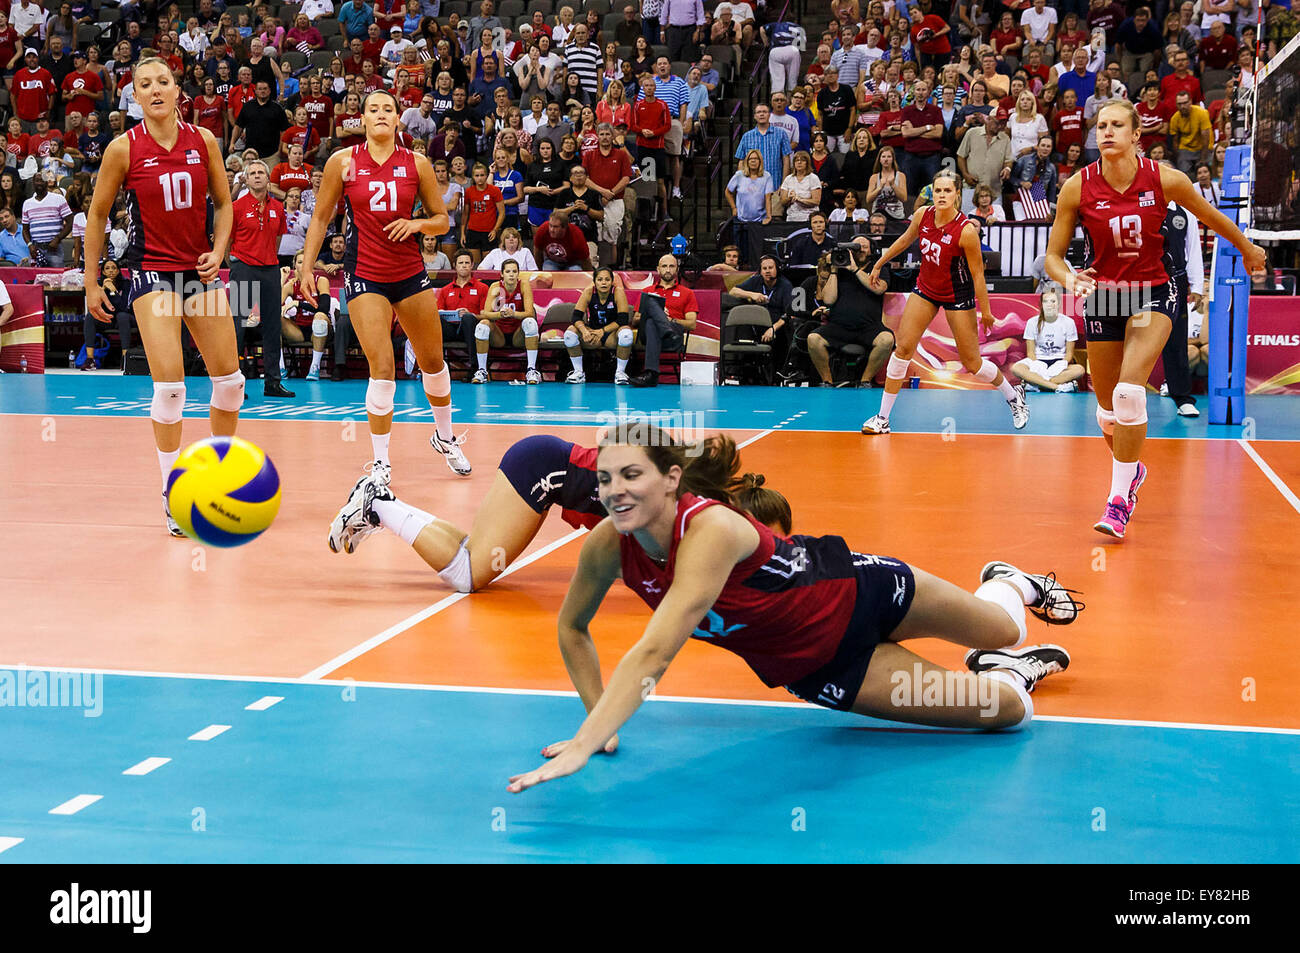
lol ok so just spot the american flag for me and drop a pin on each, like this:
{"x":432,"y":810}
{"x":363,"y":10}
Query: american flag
{"x":1033,"y":200}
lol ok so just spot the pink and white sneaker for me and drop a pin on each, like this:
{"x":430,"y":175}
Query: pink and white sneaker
{"x":1115,"y":519}
{"x":1138,"y":479}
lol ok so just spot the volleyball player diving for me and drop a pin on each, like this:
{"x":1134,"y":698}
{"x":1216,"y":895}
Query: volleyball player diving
{"x":1128,"y":300}
{"x":952,"y":278}
{"x":169,"y":169}
{"x":537,"y":473}
{"x":379,"y":182}
{"x":804,"y":612}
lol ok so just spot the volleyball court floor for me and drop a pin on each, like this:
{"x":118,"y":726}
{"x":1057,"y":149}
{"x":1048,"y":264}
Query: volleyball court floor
{"x":278,"y":702}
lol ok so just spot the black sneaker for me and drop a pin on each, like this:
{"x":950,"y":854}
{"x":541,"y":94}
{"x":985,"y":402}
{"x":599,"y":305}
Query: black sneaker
{"x":337,"y":373}
{"x":646,"y":379}
{"x":1054,"y":604}
{"x":1032,"y":663}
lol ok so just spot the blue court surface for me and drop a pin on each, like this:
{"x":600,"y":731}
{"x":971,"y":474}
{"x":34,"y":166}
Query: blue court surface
{"x":389,"y":774}
{"x":321,"y":768}
{"x":724,"y":408}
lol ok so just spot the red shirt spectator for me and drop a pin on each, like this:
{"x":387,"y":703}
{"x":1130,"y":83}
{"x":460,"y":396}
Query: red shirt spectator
{"x":1173,"y":84}
{"x":320,"y":112}
{"x":1001,"y":39}
{"x":304,"y":136}
{"x":926,"y":115}
{"x":607,"y":170}
{"x":1218,"y":52}
{"x":255,"y":235}
{"x":472,"y":296}
{"x":284,"y":177}
{"x":86,"y":83}
{"x":38,"y":143}
{"x":678,"y":300}
{"x":32,"y":90}
{"x":210,"y":115}
{"x":1108,"y":18}
{"x":654,"y":116}
{"x":925,"y":35}
{"x":566,"y":249}
{"x":237,"y":96}
{"x":8,"y":44}
{"x":889,"y":118}
{"x":482,"y":206}
{"x":1069,"y":128}
{"x":1151,"y":118}
{"x":17,"y":146}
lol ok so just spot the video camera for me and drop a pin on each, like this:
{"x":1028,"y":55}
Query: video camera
{"x":843,"y":255}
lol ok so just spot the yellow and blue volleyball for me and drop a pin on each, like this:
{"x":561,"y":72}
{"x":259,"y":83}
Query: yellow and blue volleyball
{"x":223,"y":491}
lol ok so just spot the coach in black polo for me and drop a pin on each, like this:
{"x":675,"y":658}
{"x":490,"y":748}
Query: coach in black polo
{"x":260,"y":121}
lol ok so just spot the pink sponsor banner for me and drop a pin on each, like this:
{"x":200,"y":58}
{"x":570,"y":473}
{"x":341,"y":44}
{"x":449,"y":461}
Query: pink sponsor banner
{"x":23,"y":335}
{"x":1273,"y":346}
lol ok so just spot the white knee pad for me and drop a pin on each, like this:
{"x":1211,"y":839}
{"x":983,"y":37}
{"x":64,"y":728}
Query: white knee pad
{"x":987,"y":373}
{"x":1105,"y":420}
{"x":1130,"y":403}
{"x":571,"y":338}
{"x":439,"y":384}
{"x":379,"y":397}
{"x":625,"y":337}
{"x":529,"y":326}
{"x":1025,"y":700}
{"x":168,"y":402}
{"x":457,"y":573}
{"x":228,"y":392}
{"x":483,"y":331}
{"x":897,"y":368}
{"x":320,"y":326}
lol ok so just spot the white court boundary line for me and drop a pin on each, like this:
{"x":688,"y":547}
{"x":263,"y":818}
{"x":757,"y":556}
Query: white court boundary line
{"x":675,"y":699}
{"x":392,"y":631}
{"x":1272,"y":477}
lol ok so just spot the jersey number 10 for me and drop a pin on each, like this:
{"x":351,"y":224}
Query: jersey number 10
{"x":1126,"y":230}
{"x":177,"y":190}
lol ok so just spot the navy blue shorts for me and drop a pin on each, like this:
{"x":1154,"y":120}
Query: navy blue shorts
{"x":885,"y":590}
{"x":479,"y":241}
{"x":536,"y":467}
{"x":966,"y":304}
{"x":1107,"y":310}
{"x":187,"y":283}
{"x":394,"y":291}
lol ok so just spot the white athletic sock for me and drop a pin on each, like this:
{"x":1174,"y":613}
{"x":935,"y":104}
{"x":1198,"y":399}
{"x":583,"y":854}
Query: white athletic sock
{"x":577,"y":363}
{"x":402,"y":519}
{"x":1006,"y":389}
{"x":1121,"y":477}
{"x":622,"y":365}
{"x":887,"y":404}
{"x":1017,"y":682}
{"x":482,"y":360}
{"x":532,"y":358}
{"x":167,"y":460}
{"x":1021,"y":582}
{"x":442,"y":421}
{"x":315,"y":360}
{"x":1008,"y":599}
{"x":379,"y":441}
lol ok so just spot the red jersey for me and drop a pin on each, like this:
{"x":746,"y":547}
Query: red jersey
{"x":304,"y":136}
{"x":255,"y":235}
{"x":32,"y":91}
{"x":472,"y":296}
{"x":351,"y":125}
{"x":678,"y":301}
{"x":320,"y":114}
{"x":38,"y":144}
{"x":87,"y":83}
{"x":784,"y":609}
{"x":514,"y":301}
{"x":285,"y":178}
{"x":655,"y":117}
{"x":945,"y":275}
{"x":1122,"y":232}
{"x":1151,"y":120}
{"x":373,"y":196}
{"x":482,"y":207}
{"x":17,"y":145}
{"x":237,"y":96}
{"x":166,"y":200}
{"x":210,"y":115}
{"x":1069,"y":128}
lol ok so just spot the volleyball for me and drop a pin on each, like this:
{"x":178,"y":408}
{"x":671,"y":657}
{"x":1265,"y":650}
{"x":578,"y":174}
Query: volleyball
{"x":223,"y":491}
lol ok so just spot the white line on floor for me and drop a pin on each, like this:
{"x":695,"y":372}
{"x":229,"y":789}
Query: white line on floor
{"x":265,"y":702}
{"x":7,"y":842}
{"x":208,"y":733}
{"x":76,"y":804}
{"x":146,"y":766}
{"x":1272,"y":477}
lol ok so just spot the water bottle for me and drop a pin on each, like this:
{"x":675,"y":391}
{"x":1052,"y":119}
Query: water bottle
{"x":22,"y":365}
{"x":72,"y":359}
{"x":915,"y":383}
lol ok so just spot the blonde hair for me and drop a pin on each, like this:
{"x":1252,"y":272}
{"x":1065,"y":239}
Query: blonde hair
{"x":1129,"y":109}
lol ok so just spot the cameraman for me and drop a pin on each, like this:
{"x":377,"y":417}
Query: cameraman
{"x":853,"y":315}
{"x":772,"y":290}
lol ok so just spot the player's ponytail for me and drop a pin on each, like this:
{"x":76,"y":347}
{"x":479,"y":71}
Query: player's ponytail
{"x":764,"y":504}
